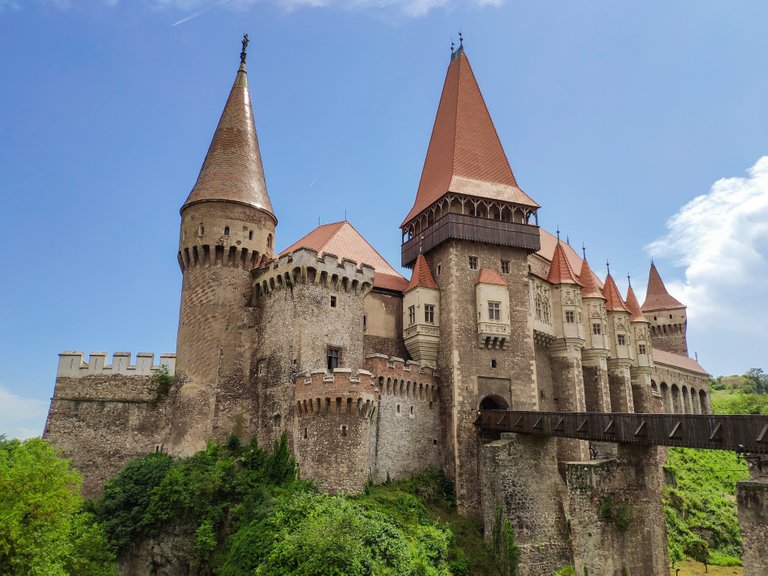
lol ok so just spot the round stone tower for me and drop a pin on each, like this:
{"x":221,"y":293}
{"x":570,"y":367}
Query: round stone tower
{"x":227,"y":228}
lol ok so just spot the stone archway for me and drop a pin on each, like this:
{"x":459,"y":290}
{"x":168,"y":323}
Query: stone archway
{"x":493,"y":402}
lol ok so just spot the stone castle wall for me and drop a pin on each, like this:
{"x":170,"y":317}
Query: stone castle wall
{"x":102,"y":415}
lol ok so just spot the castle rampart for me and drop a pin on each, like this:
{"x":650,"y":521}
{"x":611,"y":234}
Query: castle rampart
{"x":74,"y":365}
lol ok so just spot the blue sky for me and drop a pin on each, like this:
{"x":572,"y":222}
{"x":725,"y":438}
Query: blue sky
{"x":639,"y":128}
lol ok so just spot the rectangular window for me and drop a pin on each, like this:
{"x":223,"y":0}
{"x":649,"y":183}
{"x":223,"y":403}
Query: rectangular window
{"x":570,"y":316}
{"x":505,"y":266}
{"x":333,"y":301}
{"x":334,"y":357}
{"x":411,"y":315}
{"x":596,"y":329}
{"x":642,"y":348}
{"x":473,"y":262}
{"x":494,"y":310}
{"x":622,"y":340}
{"x":429,"y":314}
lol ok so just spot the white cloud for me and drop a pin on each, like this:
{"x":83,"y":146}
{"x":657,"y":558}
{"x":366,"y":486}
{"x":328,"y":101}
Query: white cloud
{"x":21,"y":417}
{"x":721,"y":239}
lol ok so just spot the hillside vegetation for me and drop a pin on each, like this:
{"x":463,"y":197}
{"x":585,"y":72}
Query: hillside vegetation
{"x":700,"y":491}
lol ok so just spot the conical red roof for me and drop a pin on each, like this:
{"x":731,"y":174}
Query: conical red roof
{"x":635,"y":313}
{"x":421,"y":277}
{"x":590,"y":285}
{"x":613,"y":300}
{"x":232,"y":169}
{"x":657,"y":297}
{"x":560,"y":271}
{"x":465,"y":154}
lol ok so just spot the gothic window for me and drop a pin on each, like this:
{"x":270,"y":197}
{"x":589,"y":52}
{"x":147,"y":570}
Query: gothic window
{"x":473,"y":262}
{"x":641,"y":348}
{"x":539,"y":313}
{"x":429,"y":314}
{"x":545,"y":310}
{"x":622,"y":340}
{"x":570,"y":316}
{"x":411,"y":315}
{"x":505,"y":266}
{"x":494,"y":310}
{"x":226,"y":230}
{"x":333,"y":357}
{"x":596,"y":329}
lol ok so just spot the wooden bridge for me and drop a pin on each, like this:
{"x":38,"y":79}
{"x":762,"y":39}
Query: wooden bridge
{"x":741,"y":433}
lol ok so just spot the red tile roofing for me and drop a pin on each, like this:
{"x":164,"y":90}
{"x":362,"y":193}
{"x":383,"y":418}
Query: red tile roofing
{"x":465,"y":154}
{"x":547,"y":250}
{"x":490,"y":276}
{"x":342,"y":240}
{"x":657,"y":297}
{"x":560,"y":270}
{"x":232,"y":169}
{"x":613,"y":300}
{"x":677,"y":361}
{"x":590,"y":284}
{"x":421,"y":277}
{"x":635,"y":313}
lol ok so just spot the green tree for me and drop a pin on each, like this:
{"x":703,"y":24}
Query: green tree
{"x":43,"y":528}
{"x":756,"y":381}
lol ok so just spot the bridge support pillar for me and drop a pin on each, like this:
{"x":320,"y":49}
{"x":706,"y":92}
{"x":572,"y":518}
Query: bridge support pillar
{"x":615,"y":514}
{"x":752,"y":499}
{"x":521,"y":487}
{"x":568,"y":381}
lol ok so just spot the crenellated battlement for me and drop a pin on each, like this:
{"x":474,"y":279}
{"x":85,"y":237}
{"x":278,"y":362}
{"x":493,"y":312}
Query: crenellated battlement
{"x":305,"y":266}
{"x":398,"y":377}
{"x":74,"y":365}
{"x":341,"y":392}
{"x":205,"y":255}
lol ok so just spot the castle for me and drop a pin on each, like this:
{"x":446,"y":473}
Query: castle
{"x":370,"y":374}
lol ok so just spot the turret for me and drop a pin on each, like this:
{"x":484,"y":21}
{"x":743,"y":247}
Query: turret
{"x":594,"y":356}
{"x":227,"y":227}
{"x":421,"y":315}
{"x":643,"y":364}
{"x":666,"y":315}
{"x":619,"y":341}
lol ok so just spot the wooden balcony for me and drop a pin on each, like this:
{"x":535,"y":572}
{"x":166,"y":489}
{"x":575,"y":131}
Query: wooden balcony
{"x":463,"y":227}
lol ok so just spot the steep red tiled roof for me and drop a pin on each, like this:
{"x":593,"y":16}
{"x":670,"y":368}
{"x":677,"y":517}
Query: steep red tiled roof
{"x":465,"y":154}
{"x":657,"y":297}
{"x":560,"y":271}
{"x":490,"y":276}
{"x":421,"y":275}
{"x":590,"y":284}
{"x":677,"y":361}
{"x":342,"y":240}
{"x":613,"y":301}
{"x":232,"y":169}
{"x":547,"y":250}
{"x":635,"y":313}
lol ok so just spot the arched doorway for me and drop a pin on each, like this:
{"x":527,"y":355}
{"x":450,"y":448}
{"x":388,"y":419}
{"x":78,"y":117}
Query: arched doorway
{"x":493,"y":402}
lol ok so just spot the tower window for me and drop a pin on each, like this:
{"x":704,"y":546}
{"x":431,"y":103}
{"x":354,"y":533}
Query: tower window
{"x":250,"y":234}
{"x":439,"y":269}
{"x":333,"y":301}
{"x":493,"y":363}
{"x":334,"y":357}
{"x":641,"y":348}
{"x":622,"y":340}
{"x":226,"y":230}
{"x":570,"y":317}
{"x":494,"y":310}
{"x":343,"y":430}
{"x":365,"y":322}
{"x":596,"y":329}
{"x":183,"y":234}
{"x":201,"y":230}
{"x":505,"y":266}
{"x":473,"y":262}
{"x":269,"y":240}
{"x":411,"y":315}
{"x":429,"y":314}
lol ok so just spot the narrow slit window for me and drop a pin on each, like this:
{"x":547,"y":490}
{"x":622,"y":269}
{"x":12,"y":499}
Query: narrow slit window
{"x":333,"y":301}
{"x":226,"y":230}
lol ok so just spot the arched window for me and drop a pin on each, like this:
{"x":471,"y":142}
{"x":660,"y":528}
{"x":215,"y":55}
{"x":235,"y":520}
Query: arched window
{"x":269,"y":241}
{"x":226,"y":230}
{"x":201,"y":230}
{"x":250,"y":234}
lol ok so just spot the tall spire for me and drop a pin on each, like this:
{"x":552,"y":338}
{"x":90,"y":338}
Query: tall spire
{"x":613,"y":300}
{"x":590,"y":287}
{"x":560,"y":271}
{"x":635,"y":313}
{"x":422,"y":276}
{"x":657,"y":297}
{"x":465,"y":154}
{"x":232,"y":169}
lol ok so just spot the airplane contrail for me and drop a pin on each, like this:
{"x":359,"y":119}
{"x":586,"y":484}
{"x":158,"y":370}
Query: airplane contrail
{"x":200,"y":12}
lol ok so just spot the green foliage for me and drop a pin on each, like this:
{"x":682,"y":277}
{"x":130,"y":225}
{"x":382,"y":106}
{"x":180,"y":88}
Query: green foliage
{"x":43,"y":527}
{"x":504,"y":545}
{"x":565,"y":571}
{"x":756,"y":381}
{"x":700,"y":504}
{"x":738,"y":402}
{"x":164,"y":381}
{"x":619,"y":514}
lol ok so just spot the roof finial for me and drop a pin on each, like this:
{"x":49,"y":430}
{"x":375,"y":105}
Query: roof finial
{"x":245,"y":45}
{"x":461,"y":40}
{"x":629,"y":280}
{"x":567,"y":240}
{"x":583,"y":251}
{"x":453,"y":46}
{"x":558,"y":233}
{"x":608,"y":266}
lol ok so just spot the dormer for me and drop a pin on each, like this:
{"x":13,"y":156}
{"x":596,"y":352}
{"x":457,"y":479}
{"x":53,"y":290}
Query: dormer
{"x":492,"y":302}
{"x":421,"y":314}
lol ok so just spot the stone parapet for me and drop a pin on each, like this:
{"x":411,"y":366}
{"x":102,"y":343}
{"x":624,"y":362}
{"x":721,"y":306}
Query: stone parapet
{"x":305,"y":266}
{"x":74,"y":365}
{"x":397,"y":377}
{"x":322,"y":393}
